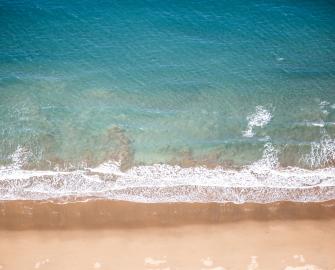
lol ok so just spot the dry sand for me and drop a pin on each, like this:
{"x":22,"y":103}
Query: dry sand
{"x":122,"y":235}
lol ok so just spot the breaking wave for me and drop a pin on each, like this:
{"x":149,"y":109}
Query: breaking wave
{"x":322,"y":153}
{"x":263,"y":181}
{"x":260,"y":118}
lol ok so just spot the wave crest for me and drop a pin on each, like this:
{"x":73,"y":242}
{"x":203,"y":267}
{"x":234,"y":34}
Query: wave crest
{"x":263,"y":181}
{"x":322,"y":153}
{"x":260,"y":118}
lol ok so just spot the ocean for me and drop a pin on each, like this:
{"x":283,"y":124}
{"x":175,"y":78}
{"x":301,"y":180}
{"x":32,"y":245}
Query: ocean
{"x":165,"y":101}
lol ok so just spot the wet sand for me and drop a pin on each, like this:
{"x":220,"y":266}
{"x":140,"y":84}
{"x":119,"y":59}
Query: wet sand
{"x":122,"y":235}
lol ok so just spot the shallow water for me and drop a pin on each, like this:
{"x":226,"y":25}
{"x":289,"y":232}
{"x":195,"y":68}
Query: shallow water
{"x":190,"y":83}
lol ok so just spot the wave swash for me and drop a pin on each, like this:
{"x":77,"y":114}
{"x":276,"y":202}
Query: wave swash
{"x":263,"y":181}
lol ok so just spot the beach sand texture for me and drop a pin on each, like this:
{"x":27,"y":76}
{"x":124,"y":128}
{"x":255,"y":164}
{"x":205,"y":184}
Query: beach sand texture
{"x":121,"y":235}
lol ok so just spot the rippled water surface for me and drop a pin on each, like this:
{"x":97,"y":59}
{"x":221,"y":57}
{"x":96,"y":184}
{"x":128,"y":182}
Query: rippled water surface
{"x":235,"y":84}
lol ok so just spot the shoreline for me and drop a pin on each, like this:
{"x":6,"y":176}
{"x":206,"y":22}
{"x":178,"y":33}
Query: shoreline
{"x":259,"y":183}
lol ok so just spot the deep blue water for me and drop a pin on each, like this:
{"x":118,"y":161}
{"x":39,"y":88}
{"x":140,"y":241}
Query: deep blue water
{"x":167,"y":81}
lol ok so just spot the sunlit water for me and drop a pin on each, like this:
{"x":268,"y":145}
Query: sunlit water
{"x":243,"y":85}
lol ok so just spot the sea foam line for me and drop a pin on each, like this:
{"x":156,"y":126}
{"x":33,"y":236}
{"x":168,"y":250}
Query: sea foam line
{"x":159,"y":182}
{"x":262,"y":181}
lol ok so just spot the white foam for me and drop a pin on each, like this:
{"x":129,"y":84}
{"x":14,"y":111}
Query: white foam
{"x":19,"y":157}
{"x":108,"y":168}
{"x":260,"y":118}
{"x":268,"y":161}
{"x":324,"y":103}
{"x":321,"y":152}
{"x":318,"y":124}
{"x":262,"y":181}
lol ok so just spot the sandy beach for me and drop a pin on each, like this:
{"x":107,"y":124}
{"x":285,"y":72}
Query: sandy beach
{"x":167,"y":135}
{"x":122,"y":235}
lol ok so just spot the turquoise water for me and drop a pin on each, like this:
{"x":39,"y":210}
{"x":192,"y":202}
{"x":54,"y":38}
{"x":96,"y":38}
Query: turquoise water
{"x":177,"y":82}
